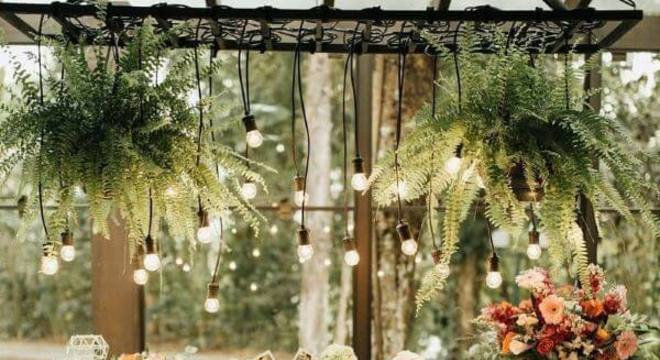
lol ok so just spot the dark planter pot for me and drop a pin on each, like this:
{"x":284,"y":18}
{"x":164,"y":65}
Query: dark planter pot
{"x":521,"y":188}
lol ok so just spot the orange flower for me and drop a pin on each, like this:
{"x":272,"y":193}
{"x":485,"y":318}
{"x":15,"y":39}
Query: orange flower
{"x":602,"y":335}
{"x":135,"y":356}
{"x":506,"y":343}
{"x":592,"y":308}
{"x":552,"y":309}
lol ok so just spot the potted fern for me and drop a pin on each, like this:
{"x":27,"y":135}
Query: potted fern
{"x":127,"y":135}
{"x":513,"y":137}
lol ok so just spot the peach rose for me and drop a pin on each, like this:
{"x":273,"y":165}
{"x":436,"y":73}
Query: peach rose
{"x":545,"y":346}
{"x":552,"y":309}
{"x":626,"y":344}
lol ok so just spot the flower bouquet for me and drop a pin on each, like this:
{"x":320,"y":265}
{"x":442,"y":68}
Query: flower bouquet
{"x":592,"y":322}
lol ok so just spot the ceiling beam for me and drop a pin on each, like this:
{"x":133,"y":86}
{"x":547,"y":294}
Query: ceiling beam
{"x":18,"y":24}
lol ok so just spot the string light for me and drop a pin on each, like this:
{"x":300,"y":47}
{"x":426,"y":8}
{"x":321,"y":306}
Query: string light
{"x":212,"y":304}
{"x":140,"y":275}
{"x":249,"y":190}
{"x":359,"y":180}
{"x":49,"y":263}
{"x":305,"y":250}
{"x":408,"y":243}
{"x":205,"y":230}
{"x":253,"y":136}
{"x":453,"y":164}
{"x":534,"y":250}
{"x":300,"y":196}
{"x":256,"y":252}
{"x":151,"y":259}
{"x":68,"y":251}
{"x":185,"y":267}
{"x":493,"y":278}
{"x":351,"y":256}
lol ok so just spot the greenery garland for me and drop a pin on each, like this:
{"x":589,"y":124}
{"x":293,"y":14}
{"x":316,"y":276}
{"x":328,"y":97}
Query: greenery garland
{"x":119,"y":133}
{"x":514,"y":115}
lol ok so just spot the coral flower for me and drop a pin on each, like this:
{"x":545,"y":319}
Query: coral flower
{"x":592,"y":308}
{"x":506,"y":343}
{"x":626,"y":344}
{"x":552,"y":309}
{"x":135,"y":356}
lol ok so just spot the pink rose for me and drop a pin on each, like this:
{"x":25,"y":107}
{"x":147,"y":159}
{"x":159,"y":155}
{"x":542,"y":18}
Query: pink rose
{"x":626,"y":344}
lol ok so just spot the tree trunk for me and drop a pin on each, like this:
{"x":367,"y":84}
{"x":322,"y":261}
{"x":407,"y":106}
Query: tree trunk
{"x":466,"y":296}
{"x":342,"y":325}
{"x":395,"y":287}
{"x":314,"y":296}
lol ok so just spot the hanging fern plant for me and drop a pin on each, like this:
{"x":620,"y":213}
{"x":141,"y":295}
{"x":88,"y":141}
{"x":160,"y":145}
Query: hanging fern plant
{"x":121,"y":133}
{"x":514,"y":136}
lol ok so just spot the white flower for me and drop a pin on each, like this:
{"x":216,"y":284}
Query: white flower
{"x":518,"y":347}
{"x":338,"y":352}
{"x":407,"y":355}
{"x":531,"y":279}
{"x":526,"y":320}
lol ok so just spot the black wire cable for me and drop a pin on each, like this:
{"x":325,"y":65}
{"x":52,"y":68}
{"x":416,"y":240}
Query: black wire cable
{"x":199,"y":107}
{"x":351,"y":52}
{"x":490,"y":238}
{"x":456,"y":66}
{"x":401,"y":78}
{"x":296,"y":55}
{"x":345,"y":138}
{"x":151,"y":213}
{"x":41,"y":139}
{"x":245,"y":95}
{"x":309,"y":143}
{"x":216,"y":268}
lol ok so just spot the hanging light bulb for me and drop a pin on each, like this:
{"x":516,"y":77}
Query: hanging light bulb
{"x":140,"y":275}
{"x":408,"y":244}
{"x":67,"y":252}
{"x":359,"y":180}
{"x":494,"y":278}
{"x":253,"y":136}
{"x":151,"y":259}
{"x":300,"y":196}
{"x":249,"y":190}
{"x":534,"y":250}
{"x":441,"y":268}
{"x":205,"y":230}
{"x":212,"y":304}
{"x":305,"y":250}
{"x":453,"y":164}
{"x":351,"y":256}
{"x":49,"y":264}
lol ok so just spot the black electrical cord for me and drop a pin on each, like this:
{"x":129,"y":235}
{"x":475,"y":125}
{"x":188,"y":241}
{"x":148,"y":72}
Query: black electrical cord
{"x":151,"y":213}
{"x":490,"y":238}
{"x":296,"y":55}
{"x":199,"y":107}
{"x":41,"y":139}
{"x":349,"y":60}
{"x":244,"y":85}
{"x":216,"y":268}
{"x":345,"y":138}
{"x":401,"y":78}
{"x":309,"y":143}
{"x":456,"y":66}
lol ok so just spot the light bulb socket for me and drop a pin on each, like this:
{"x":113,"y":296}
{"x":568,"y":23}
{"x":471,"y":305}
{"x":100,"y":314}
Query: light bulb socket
{"x":213,"y":288}
{"x":203,"y":217}
{"x":303,"y":236}
{"x":533,"y":237}
{"x":47,"y":249}
{"x":250,"y":123}
{"x":299,"y":183}
{"x":437,"y":256}
{"x":459,"y":150}
{"x":150,"y":245}
{"x":358,"y":165}
{"x":67,"y":238}
{"x":403,"y":230}
{"x":494,"y":263}
{"x":521,"y":187}
{"x":349,"y":244}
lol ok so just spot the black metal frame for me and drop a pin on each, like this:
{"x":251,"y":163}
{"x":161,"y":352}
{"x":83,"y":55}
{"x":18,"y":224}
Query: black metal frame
{"x":332,"y":30}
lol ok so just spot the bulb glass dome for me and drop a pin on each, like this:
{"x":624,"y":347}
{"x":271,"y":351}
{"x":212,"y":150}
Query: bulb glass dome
{"x":212,"y":305}
{"x":140,"y":276}
{"x":409,"y":247}
{"x":254,"y":138}
{"x":359,"y":182}
{"x":305,"y":252}
{"x":494,"y":279}
{"x":534,"y":251}
{"x":299,"y":196}
{"x":68,"y":253}
{"x":453,"y":165}
{"x":442,"y":270}
{"x":205,"y":234}
{"x":351,"y":257}
{"x":152,"y":262}
{"x":249,"y":190}
{"x":49,"y":265}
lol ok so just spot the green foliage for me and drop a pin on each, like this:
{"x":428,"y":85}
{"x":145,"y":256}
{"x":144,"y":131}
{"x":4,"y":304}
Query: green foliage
{"x":513,"y":113}
{"x":119,"y":135}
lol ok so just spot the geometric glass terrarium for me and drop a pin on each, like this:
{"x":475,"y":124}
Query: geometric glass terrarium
{"x":87,"y":347}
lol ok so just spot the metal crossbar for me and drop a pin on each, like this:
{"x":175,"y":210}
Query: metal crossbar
{"x":327,"y":29}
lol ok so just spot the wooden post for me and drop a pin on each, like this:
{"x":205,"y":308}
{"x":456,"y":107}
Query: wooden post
{"x":117,"y":302}
{"x":587,"y":217}
{"x":362,"y":291}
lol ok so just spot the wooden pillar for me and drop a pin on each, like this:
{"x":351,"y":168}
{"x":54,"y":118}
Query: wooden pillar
{"x":362,"y":291}
{"x":587,"y":217}
{"x":117,"y":302}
